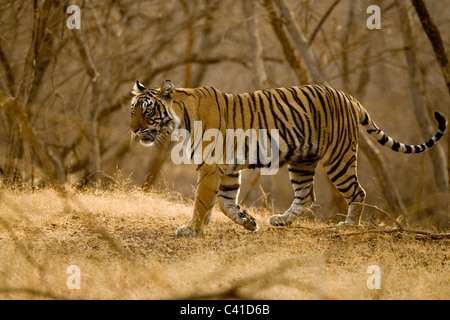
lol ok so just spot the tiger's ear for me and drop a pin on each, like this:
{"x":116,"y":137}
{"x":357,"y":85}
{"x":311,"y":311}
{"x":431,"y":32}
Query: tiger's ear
{"x":166,"y":90}
{"x":138,"y":88}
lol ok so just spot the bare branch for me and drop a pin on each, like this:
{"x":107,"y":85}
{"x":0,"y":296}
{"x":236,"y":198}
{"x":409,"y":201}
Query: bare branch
{"x":322,"y":21}
{"x":400,"y":227}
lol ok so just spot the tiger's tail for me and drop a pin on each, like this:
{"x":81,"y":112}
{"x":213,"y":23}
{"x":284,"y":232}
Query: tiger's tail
{"x":390,"y":143}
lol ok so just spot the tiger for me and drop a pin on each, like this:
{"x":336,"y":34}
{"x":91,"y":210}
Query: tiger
{"x":315,"y":123}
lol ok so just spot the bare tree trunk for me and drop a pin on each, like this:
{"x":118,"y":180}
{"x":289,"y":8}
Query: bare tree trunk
{"x":208,"y":40}
{"x":16,"y":108}
{"x":17,"y":113}
{"x":435,"y":38}
{"x":260,"y":80}
{"x":86,"y":57}
{"x":419,"y":104}
{"x":189,"y":45}
{"x":289,"y":51}
{"x":300,"y":41}
{"x":188,"y":67}
{"x":345,"y":41}
{"x":155,"y":166}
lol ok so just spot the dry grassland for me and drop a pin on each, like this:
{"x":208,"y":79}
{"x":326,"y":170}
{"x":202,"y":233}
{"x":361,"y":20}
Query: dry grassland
{"x":124,"y":244}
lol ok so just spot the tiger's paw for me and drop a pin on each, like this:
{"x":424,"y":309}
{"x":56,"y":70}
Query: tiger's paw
{"x":279,"y":221}
{"x":347,"y":225}
{"x":350,"y":222}
{"x":188,"y":231}
{"x":247,"y":221}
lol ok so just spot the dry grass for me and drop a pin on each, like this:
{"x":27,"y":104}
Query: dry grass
{"x":124,"y":244}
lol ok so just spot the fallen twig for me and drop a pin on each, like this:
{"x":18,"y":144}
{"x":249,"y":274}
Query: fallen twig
{"x":400,"y":227}
{"x":387,"y":214}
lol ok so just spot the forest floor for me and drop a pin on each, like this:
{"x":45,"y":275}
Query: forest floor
{"x":123,"y":246}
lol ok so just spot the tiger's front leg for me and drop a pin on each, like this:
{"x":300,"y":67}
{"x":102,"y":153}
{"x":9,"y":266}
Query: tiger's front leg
{"x":209,"y":177}
{"x":228,"y":199}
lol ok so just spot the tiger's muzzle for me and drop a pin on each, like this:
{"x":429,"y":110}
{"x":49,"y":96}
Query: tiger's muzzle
{"x":146,"y":136}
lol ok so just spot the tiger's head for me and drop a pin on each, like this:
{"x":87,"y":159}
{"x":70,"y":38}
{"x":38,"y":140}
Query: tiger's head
{"x":151,"y":116}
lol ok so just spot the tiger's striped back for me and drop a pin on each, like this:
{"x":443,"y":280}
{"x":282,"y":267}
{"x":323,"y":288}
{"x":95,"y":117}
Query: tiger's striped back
{"x":310,"y":119}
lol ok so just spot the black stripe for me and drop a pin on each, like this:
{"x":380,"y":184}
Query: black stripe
{"x":233,"y":175}
{"x":227,"y":197}
{"x":396,"y":146}
{"x":430,"y":143}
{"x":229,"y":188}
{"x":383,"y":140}
{"x":302,"y":133}
{"x":345,"y":190}
{"x":344,"y":170}
{"x":218,"y":105}
{"x":241,"y":105}
{"x":356,"y":195}
{"x":347,"y":180}
{"x":296,"y":98}
{"x":366,"y":119}
{"x":225,"y":96}
{"x":341,"y":147}
{"x":262,"y":107}
{"x":309,"y":88}
{"x":184,"y":92}
{"x":234,"y":112}
{"x":279,"y":106}
{"x":302,"y":182}
{"x":301,"y":172}
{"x":277,"y":121}
{"x":254,"y":106}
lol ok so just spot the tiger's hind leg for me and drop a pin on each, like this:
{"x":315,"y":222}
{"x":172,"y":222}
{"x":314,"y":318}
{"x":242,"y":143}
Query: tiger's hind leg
{"x":344,"y":176}
{"x":302,"y":179}
{"x":227,"y":200}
